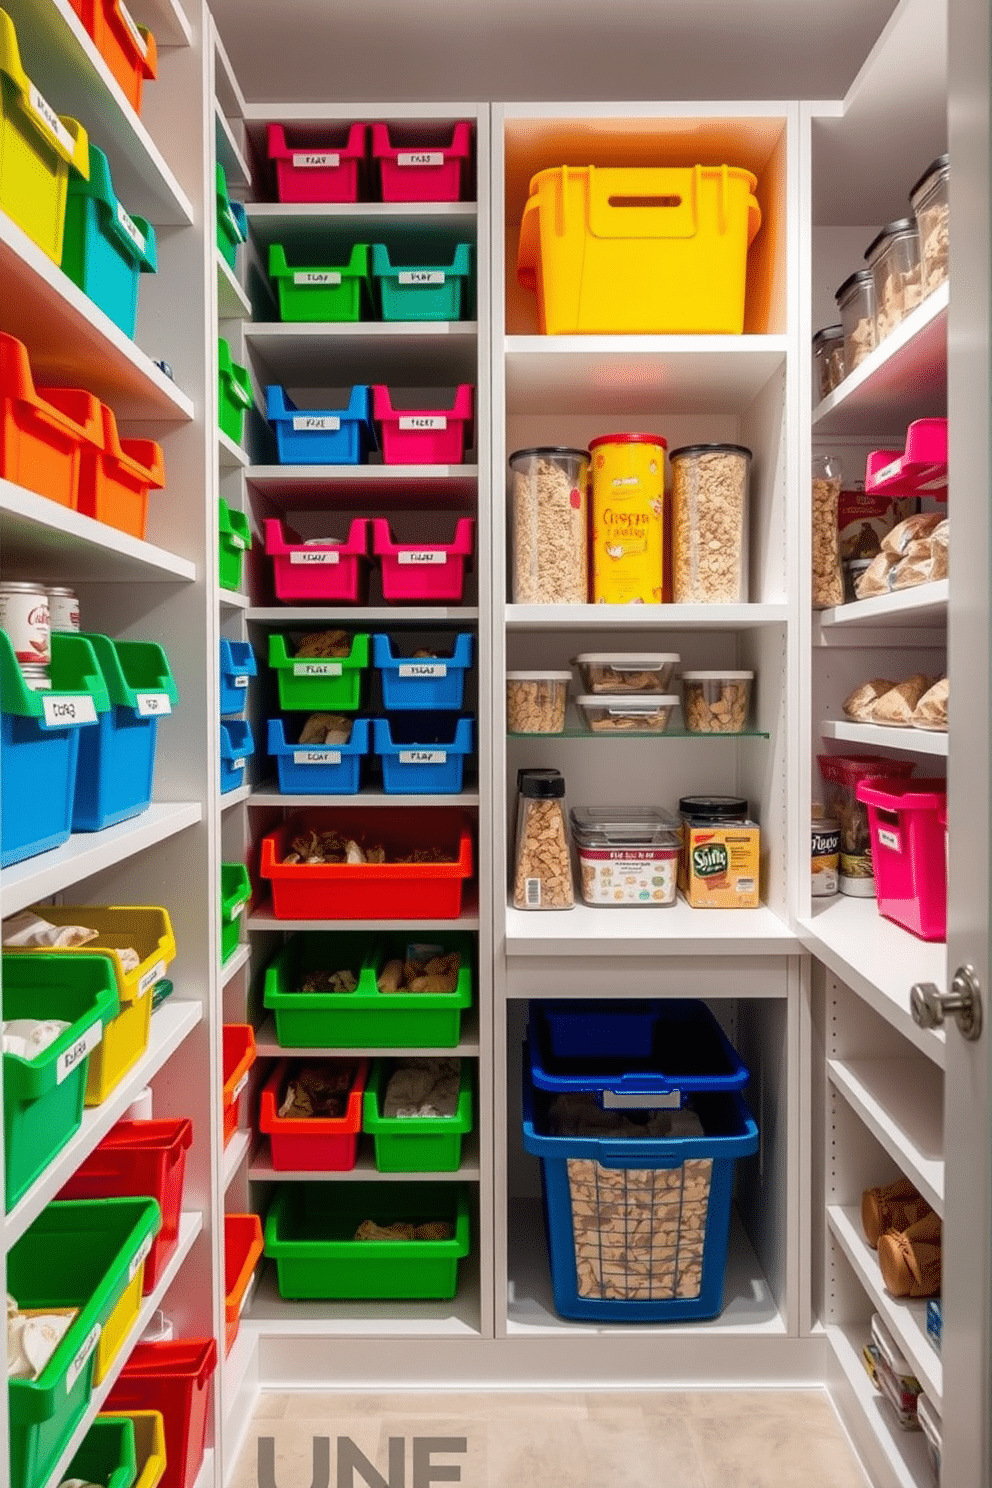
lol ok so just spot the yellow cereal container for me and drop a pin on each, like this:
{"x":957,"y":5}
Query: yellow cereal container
{"x":628,"y":526}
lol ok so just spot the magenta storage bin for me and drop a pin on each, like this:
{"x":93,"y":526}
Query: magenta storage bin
{"x":318,"y":163}
{"x":908,"y":852}
{"x":415,"y":163}
{"x":318,"y":575}
{"x":423,"y":573}
{"x":422,"y":436}
{"x":919,"y":470}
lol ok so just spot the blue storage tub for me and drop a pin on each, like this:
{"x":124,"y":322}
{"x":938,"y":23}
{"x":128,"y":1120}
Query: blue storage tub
{"x":422,"y":684}
{"x":237,"y":665}
{"x":236,"y":748}
{"x":423,"y":753}
{"x":117,"y":759}
{"x":318,"y":769}
{"x":672,"y":1197}
{"x":319,"y":436}
{"x":40,"y":738}
{"x":105,"y":251}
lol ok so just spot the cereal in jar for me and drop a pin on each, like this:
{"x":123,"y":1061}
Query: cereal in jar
{"x":709,"y":512}
{"x":549,"y":526}
{"x":536,"y":702}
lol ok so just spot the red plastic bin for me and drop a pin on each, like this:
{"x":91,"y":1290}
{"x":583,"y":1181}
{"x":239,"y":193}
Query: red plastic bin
{"x":174,"y":1379}
{"x":127,"y":48}
{"x":43,"y":431}
{"x":243,"y":1244}
{"x":323,"y":1144}
{"x":318,"y":163}
{"x":908,"y":852}
{"x":423,"y":573}
{"x":415,"y":163}
{"x":239,"y":1056}
{"x":372,"y":891}
{"x":140,"y":1158}
{"x":423,"y":436}
{"x":305,"y":574}
{"x":115,"y":480}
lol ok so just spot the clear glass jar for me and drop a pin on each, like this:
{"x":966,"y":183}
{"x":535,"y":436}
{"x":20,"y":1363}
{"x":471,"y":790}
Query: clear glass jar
{"x":536,"y":702}
{"x":828,"y":361}
{"x":894,"y":260}
{"x":709,"y":518}
{"x":931,"y":207}
{"x":550,"y":539}
{"x":828,"y":575}
{"x":542,"y":877}
{"x":856,"y":306}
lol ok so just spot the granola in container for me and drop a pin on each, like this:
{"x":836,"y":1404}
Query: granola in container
{"x":828,"y":361}
{"x":548,"y":502}
{"x":856,"y":306}
{"x":536,"y":702}
{"x":629,"y":713}
{"x":626,"y":671}
{"x":894,"y":260}
{"x":931,"y":207}
{"x":710,"y":519}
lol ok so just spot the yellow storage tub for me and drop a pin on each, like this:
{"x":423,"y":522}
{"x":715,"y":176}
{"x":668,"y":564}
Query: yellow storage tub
{"x":149,"y":1444}
{"x":639,"y":251}
{"x":38,"y":148}
{"x":123,"y":1318}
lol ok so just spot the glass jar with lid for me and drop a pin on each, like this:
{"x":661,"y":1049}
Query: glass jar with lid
{"x":856,"y":305}
{"x":828,"y":361}
{"x":931,"y":207}
{"x":542,"y":876}
{"x":894,"y":260}
{"x":710,"y":488}
{"x":628,"y":855}
{"x":548,"y":502}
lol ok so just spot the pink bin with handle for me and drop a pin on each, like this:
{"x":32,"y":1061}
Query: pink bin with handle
{"x":422,"y":436}
{"x":318,"y":573}
{"x":324,"y":163}
{"x":908,"y":852}
{"x":415,"y":164}
{"x":424,"y":573}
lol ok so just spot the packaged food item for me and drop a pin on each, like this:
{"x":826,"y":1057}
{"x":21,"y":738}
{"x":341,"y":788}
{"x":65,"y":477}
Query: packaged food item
{"x":824,"y":854}
{"x":25,"y":617}
{"x":710,"y":520}
{"x":853,"y":568}
{"x":924,"y":561}
{"x":627,"y":855}
{"x":638,"y":713}
{"x":877,"y":577}
{"x":628,"y":511}
{"x":931,"y":206}
{"x":828,"y":361}
{"x":536,"y":702}
{"x":720,"y":856}
{"x":856,"y":303}
{"x":896,"y":1379}
{"x":626,"y":671}
{"x":841,"y":774}
{"x":716,"y":702}
{"x":549,"y":526}
{"x":859,"y":703}
{"x":36,"y":677}
{"x":543,"y":872}
{"x":865,"y":517}
{"x":912,"y":530}
{"x":931,"y":711}
{"x":894,"y":260}
{"x":896,"y":707}
{"x":63,"y":608}
{"x":828,"y":580}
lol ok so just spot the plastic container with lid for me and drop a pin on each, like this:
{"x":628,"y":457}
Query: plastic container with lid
{"x":827,"y":580}
{"x":543,"y":871}
{"x":627,"y":713}
{"x":931,"y":207}
{"x":628,"y":518}
{"x":550,"y":540}
{"x":908,"y":852}
{"x":536,"y":701}
{"x":828,"y":361}
{"x":716,"y":702}
{"x":627,"y":854}
{"x":626,"y":671}
{"x":926,"y":1414}
{"x":709,"y":513}
{"x":856,"y":305}
{"x":894,"y":260}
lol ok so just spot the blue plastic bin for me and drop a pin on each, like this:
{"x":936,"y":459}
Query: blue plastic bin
{"x":423,"y":753}
{"x":422,"y":684}
{"x":321,"y":436}
{"x":318,"y":769}
{"x":105,"y":251}
{"x":117,"y":759}
{"x":237,"y":665}
{"x":41,"y":733}
{"x":236,"y":748}
{"x":416,"y":290}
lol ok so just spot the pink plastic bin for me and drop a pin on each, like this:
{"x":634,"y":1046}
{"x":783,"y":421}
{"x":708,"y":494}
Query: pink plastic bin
{"x":423,"y":573}
{"x":318,"y":575}
{"x":318,"y":163}
{"x":412,"y":164}
{"x":919,"y":470}
{"x":908,"y":852}
{"x":422,"y":436}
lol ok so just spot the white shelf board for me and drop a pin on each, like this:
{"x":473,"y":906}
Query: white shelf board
{"x":364,"y":614}
{"x":365,"y":1170}
{"x":166,"y":20}
{"x":276,"y":222}
{"x":264,"y":919}
{"x":232,"y":301}
{"x":236,"y":1366}
{"x":87,"y":853}
{"x":317,"y":354}
{"x":903,"y":1451}
{"x":268,"y":794}
{"x":925,"y":605}
{"x":64,"y":63}
{"x":748,"y":1304}
{"x":205,"y":1477}
{"x":639,"y":374}
{"x":644,"y":617}
{"x":270,"y":1316}
{"x":901,"y":1101}
{"x":235,"y":1154}
{"x":905,"y":1317}
{"x":267,"y":1045}
{"x":231,"y":599}
{"x":230,"y":968}
{"x":674,"y":930}
{"x":39,"y":535}
{"x":234,"y":797}
{"x":72,"y":342}
{"x":230,"y":455}
{"x":879,"y":961}
{"x":170,"y":1025}
{"x":229,"y":153}
{"x":877,"y":736}
{"x":903,"y":379}
{"x":190,"y":1225}
{"x":304,"y":487}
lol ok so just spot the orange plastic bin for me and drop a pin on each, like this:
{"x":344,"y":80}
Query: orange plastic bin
{"x":128,"y":49}
{"x":114,"y":481}
{"x":44,"y":431}
{"x":239,"y":1056}
{"x":242,"y":1252}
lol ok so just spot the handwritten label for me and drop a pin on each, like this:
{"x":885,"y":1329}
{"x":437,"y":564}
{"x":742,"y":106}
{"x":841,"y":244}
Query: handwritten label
{"x":235,"y":540}
{"x":239,"y":394}
{"x":130,"y":227}
{"x":65,"y":711}
{"x":140,"y":1257}
{"x":241,"y":1086}
{"x":888,"y":471}
{"x":153,"y":704}
{"x":420,"y":157}
{"x":423,"y":421}
{"x":316,"y":160}
{"x":311,"y":557}
{"x":422,"y":669}
{"x":423,"y":756}
{"x":152,"y":976}
{"x":43,"y":110}
{"x":241,"y":681}
{"x":238,"y":764}
{"x":79,"y":1362}
{"x":132,"y":26}
{"x":317,"y":669}
{"x":315,"y":276}
{"x":419,"y":276}
{"x":312,"y":422}
{"x":421,"y":556}
{"x":69,"y":1058}
{"x":239,"y":908}
{"x":891,"y":840}
{"x":316,"y":756}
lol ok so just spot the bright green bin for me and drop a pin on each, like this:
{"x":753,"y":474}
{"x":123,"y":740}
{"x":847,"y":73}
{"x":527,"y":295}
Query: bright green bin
{"x":310,"y":292}
{"x":366,"y":1018}
{"x":415,"y":1144}
{"x":107,"y":1454}
{"x":423,"y":291}
{"x":232,"y":228}
{"x":316,"y":683}
{"x":43,"y":1097}
{"x":235,"y":538}
{"x":105,"y":250}
{"x":235,"y":891}
{"x":309,"y":1234}
{"x":234,"y":392}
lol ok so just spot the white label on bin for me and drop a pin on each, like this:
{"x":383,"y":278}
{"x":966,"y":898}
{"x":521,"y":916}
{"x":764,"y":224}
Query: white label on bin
{"x":63,"y":711}
{"x":44,"y":111}
{"x":421,"y":556}
{"x":131,"y":228}
{"x":891,"y":840}
{"x":140,"y":1257}
{"x":422,"y":669}
{"x":70,"y":1058}
{"x":420,"y":157}
{"x":315,"y":557}
{"x":151,"y":978}
{"x":423,"y":756}
{"x":241,"y":1087}
{"x":238,"y":764}
{"x":316,"y":159}
{"x":887,"y":471}
{"x":239,"y":908}
{"x":132,"y":26}
{"x":316,"y":756}
{"x":79,"y":1362}
{"x":235,"y":541}
{"x":241,"y":681}
{"x":615,"y":1101}
{"x":317,"y":276}
{"x":317,"y":669}
{"x":410,"y":421}
{"x":153,"y":704}
{"x":420,"y":276}
{"x":316,"y":422}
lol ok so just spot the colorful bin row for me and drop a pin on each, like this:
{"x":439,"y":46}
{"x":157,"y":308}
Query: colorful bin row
{"x":370,"y":285}
{"x":234,"y":540}
{"x":384,"y":162}
{"x":338,"y":573}
{"x":419,"y":754}
{"x":345,"y":436}
{"x":128,"y":49}
{"x":63,"y":443}
{"x":409,"y":683}
{"x":237,"y":745}
{"x":237,"y":667}
{"x":232,"y":222}
{"x":172,"y":1379}
{"x":235,"y":892}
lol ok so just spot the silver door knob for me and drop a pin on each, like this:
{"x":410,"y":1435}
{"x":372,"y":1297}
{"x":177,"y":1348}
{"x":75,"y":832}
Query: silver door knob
{"x":930,"y":1006}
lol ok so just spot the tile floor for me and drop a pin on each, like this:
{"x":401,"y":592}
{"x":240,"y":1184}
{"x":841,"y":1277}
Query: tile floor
{"x":663,"y":1439}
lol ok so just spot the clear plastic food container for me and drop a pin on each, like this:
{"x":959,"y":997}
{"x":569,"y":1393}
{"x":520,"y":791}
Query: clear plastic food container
{"x":828,"y":361}
{"x":627,"y":855}
{"x":931,"y":206}
{"x":930,"y":1422}
{"x":709,"y":509}
{"x":627,"y":713}
{"x":894,"y":260}
{"x":535,"y":702}
{"x":542,"y":876}
{"x":626,"y":671}
{"x":548,"y":501}
{"x":716,"y":702}
{"x":856,"y":306}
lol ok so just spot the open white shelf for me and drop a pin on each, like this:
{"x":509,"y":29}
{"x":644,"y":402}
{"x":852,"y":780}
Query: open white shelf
{"x":39,"y":535}
{"x":304,"y":487}
{"x":674,"y":930}
{"x":231,"y":599}
{"x":365,"y":1170}
{"x":877,"y":736}
{"x":299,"y":353}
{"x":232,"y":300}
{"x":904,"y":1452}
{"x":901,"y":1102}
{"x":230,"y":968}
{"x":267,"y":1046}
{"x":644,"y":617}
{"x":235,"y":1154}
{"x":231,"y":455}
{"x":269,"y":794}
{"x":270,"y":1316}
{"x":234,"y":797}
{"x":166,"y":19}
{"x":364,"y":614}
{"x":205,"y":1476}
{"x":924,"y":606}
{"x":276,"y":222}
{"x":264,"y":919}
{"x":230,"y":155}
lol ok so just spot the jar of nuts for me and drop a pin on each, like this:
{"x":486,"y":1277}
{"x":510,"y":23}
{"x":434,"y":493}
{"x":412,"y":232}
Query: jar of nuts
{"x":933,"y":221}
{"x":828,"y":575}
{"x":535,"y":702}
{"x":543,"y":870}
{"x":856,"y":304}
{"x":709,"y":510}
{"x":550,"y":530}
{"x":828,"y":361}
{"x":894,"y":260}
{"x":716,"y":702}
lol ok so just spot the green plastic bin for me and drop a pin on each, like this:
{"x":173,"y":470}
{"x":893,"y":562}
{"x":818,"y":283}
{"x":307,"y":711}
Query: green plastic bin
{"x":235,"y":891}
{"x":415,"y":1144}
{"x":234,"y":392}
{"x":105,"y":250}
{"x":321,"y":293}
{"x":231,"y":227}
{"x":311,"y":684}
{"x":423,"y":291}
{"x":235,"y":539}
{"x":366,"y":1018}
{"x":309,"y":1234}
{"x":107,"y":1454}
{"x":80,"y":1255}
{"x":43,"y":1097}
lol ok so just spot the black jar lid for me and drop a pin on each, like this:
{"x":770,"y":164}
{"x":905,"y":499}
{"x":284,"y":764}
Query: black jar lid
{"x":863,"y":276}
{"x":550,"y":451}
{"x":934,"y":168}
{"x":713,"y":808}
{"x":708,"y":449}
{"x":543,"y":786}
{"x":891,"y":230}
{"x":521,"y":774}
{"x":829,"y":333}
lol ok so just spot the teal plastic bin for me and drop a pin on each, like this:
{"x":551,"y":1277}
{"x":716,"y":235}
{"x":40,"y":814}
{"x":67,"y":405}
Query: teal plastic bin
{"x":419,"y":290}
{"x":105,"y":251}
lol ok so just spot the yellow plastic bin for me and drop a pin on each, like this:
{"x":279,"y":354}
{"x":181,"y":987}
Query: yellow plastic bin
{"x":38,"y":148}
{"x":637,"y":250}
{"x":149,"y":1444}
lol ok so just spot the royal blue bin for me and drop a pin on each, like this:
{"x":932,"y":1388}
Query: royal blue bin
{"x":236,"y":748}
{"x":321,"y":436}
{"x":423,"y":753}
{"x":318,"y":769}
{"x":105,"y":251}
{"x":422,"y":684}
{"x":237,"y":665}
